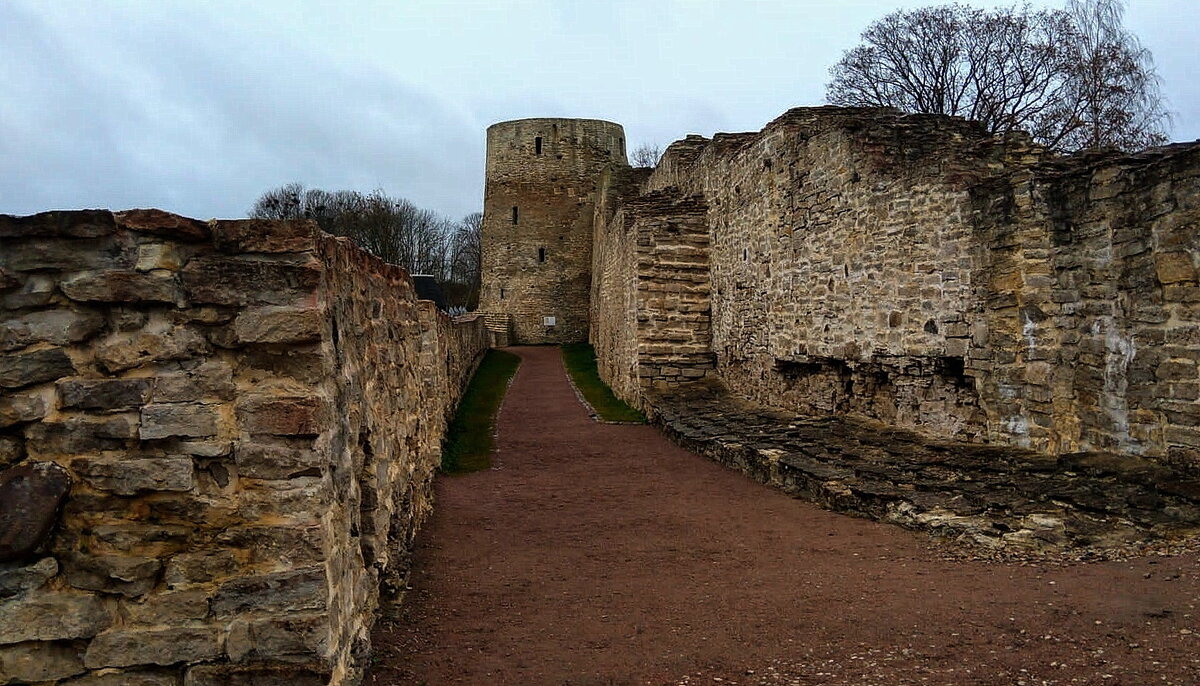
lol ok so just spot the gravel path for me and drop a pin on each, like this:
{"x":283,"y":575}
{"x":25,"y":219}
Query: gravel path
{"x":604,"y":554}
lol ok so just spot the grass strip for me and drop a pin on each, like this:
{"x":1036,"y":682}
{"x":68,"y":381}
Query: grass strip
{"x":470,"y":438}
{"x":580,"y":361}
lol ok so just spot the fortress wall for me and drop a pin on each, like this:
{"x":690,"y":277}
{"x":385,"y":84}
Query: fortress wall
{"x":1089,"y":334}
{"x":652,"y":293}
{"x":915,"y":270}
{"x":841,"y":263}
{"x":243,"y":418}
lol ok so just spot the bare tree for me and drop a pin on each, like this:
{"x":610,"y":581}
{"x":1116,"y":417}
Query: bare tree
{"x":1114,"y":87}
{"x":1012,"y":69}
{"x":393,"y":229}
{"x":646,"y":155}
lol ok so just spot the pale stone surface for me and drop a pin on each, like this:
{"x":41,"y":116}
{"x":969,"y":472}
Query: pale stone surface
{"x":126,"y":575}
{"x":191,"y":420}
{"x":128,"y":350}
{"x":21,"y":409}
{"x":278,"y":325}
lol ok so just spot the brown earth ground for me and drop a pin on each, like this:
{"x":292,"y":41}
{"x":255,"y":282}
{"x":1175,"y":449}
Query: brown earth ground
{"x":604,"y":554}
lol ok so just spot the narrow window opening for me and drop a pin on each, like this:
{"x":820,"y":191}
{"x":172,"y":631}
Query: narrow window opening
{"x":541,"y":254}
{"x":514,"y":214}
{"x":502,"y":294}
{"x":537,"y":145}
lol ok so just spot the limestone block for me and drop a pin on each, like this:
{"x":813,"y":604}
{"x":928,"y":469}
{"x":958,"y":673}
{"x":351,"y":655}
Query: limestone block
{"x":36,"y":291}
{"x":119,"y":285}
{"x":129,"y":476}
{"x":280,"y":415}
{"x":18,"y":577}
{"x":124,"y":351}
{"x":160,"y":223}
{"x":52,"y":616}
{"x":129,"y":576}
{"x":243,"y":280}
{"x":68,"y":254}
{"x":278,"y":459}
{"x":199,"y":568}
{"x":211,"y":379}
{"x":257,"y":235}
{"x":39,"y":661}
{"x":21,"y":409}
{"x":293,"y":590}
{"x":74,"y":224}
{"x":295,"y":545}
{"x":1173,"y":267}
{"x":75,"y":435}
{"x":278,"y":325}
{"x":32,"y":494}
{"x":129,"y":535}
{"x":172,"y":608}
{"x":191,"y":420}
{"x":129,"y":647}
{"x":305,"y":635}
{"x":57,"y":326}
{"x":104,"y":394}
{"x":21,"y":369}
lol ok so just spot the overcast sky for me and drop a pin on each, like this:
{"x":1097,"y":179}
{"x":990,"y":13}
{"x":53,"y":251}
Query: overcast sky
{"x":198,"y":107}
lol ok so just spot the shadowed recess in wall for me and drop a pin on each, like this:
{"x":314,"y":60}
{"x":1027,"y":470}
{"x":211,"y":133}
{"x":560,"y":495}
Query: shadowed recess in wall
{"x":471,"y":437}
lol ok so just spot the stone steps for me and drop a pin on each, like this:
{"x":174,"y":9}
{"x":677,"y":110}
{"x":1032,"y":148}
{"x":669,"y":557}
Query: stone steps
{"x":993,"y":496}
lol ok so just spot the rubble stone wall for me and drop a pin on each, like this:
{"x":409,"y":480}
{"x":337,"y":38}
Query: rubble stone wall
{"x":918,"y":271}
{"x":244,"y":418}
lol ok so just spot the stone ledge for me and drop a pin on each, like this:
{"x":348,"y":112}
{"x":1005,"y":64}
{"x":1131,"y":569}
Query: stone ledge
{"x":1002,"y":498}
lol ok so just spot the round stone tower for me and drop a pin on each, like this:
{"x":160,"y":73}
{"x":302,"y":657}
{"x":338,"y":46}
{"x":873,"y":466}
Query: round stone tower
{"x":539,"y":198}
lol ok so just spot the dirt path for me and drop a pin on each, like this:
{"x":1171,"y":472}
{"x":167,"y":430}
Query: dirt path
{"x":604,"y":554}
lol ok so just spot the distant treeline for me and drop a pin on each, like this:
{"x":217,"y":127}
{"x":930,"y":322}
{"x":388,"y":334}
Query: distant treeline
{"x":394,"y":229}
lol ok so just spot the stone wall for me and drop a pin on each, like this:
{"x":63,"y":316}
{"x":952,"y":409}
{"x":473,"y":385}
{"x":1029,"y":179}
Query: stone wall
{"x":918,"y":271}
{"x":539,"y":199}
{"x":652,"y":294}
{"x":244,"y":418}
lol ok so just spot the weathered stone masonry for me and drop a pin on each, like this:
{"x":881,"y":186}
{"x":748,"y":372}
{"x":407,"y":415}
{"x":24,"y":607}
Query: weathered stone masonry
{"x":917,"y":271}
{"x":249,"y":415}
{"x":537,"y":225}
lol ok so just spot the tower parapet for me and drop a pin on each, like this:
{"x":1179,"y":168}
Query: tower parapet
{"x":539,"y":200}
